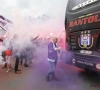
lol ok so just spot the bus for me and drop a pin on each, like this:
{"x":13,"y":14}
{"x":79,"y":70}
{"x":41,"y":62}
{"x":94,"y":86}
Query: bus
{"x":82,"y":26}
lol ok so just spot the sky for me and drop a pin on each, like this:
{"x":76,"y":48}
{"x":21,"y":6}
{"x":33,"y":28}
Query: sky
{"x":44,"y":16}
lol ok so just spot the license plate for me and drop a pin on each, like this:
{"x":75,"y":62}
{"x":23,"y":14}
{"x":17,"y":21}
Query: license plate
{"x":85,"y":52}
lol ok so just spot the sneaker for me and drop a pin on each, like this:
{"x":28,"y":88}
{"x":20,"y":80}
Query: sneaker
{"x":8,"y":70}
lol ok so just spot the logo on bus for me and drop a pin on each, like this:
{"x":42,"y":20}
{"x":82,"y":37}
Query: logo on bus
{"x":85,"y":40}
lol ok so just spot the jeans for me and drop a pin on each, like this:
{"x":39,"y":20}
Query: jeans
{"x":16,"y":63}
{"x":28,"y":58}
{"x":52,"y":69}
{"x":4,"y":58}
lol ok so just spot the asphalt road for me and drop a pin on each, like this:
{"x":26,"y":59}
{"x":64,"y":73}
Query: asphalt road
{"x":34,"y":78}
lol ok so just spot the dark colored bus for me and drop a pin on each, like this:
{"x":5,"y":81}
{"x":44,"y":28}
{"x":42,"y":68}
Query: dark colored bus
{"x":82,"y":26}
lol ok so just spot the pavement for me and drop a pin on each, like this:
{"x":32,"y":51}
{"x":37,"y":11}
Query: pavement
{"x":34,"y":78}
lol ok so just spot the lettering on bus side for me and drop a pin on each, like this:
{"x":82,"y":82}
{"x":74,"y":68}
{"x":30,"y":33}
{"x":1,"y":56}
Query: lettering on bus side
{"x":86,"y":20}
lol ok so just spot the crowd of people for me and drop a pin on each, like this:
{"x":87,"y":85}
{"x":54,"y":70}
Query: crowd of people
{"x":13,"y":48}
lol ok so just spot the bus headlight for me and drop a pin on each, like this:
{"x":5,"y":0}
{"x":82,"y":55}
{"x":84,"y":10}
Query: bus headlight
{"x":73,"y":61}
{"x":98,"y":66}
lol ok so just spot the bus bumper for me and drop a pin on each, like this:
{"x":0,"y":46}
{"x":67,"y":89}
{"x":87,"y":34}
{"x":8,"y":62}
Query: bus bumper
{"x":86,"y":61}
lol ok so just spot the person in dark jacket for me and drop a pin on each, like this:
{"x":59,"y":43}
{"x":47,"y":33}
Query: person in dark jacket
{"x":16,"y":53}
{"x":52,"y":58}
{"x":28,"y":55}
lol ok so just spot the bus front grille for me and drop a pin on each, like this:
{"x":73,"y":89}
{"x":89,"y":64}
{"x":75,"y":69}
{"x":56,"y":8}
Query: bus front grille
{"x":73,"y":42}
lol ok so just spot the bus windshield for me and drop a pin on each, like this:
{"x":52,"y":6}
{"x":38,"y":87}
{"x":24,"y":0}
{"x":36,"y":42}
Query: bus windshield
{"x":74,"y":3}
{"x":77,"y":4}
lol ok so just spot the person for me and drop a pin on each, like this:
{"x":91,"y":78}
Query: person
{"x":28,"y":55}
{"x":52,"y":58}
{"x":8,"y":59}
{"x":27,"y":51}
{"x":3,"y":52}
{"x":16,"y":53}
{"x":9,"y":54}
{"x":8,"y":50}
